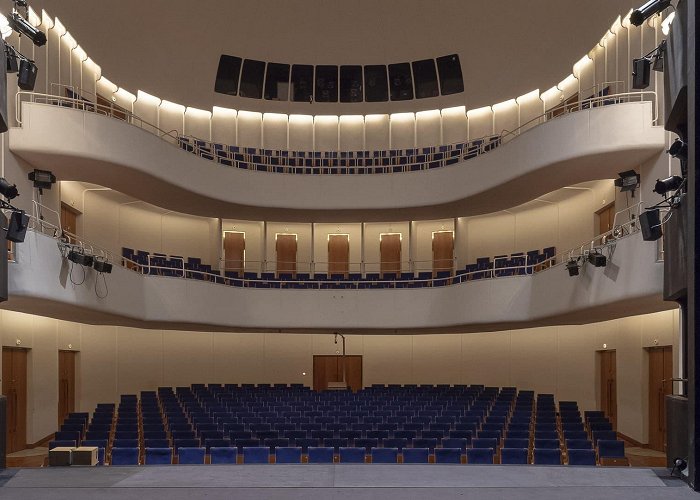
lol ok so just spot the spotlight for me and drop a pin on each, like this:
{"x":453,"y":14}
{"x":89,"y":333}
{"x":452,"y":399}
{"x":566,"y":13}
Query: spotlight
{"x":12,"y":60}
{"x":8,"y":190}
{"x":42,"y":179}
{"x":102,"y":266}
{"x":80,"y":258}
{"x":572,"y":267}
{"x":597,"y":259}
{"x":628,"y":181}
{"x":672,"y":183}
{"x":22,"y":26}
{"x":679,"y":149}
{"x":647,"y":10}
{"x":641,"y":73}
{"x":26,"y":77}
{"x":17,"y":227}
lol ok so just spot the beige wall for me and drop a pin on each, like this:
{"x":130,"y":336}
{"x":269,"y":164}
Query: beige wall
{"x":117,"y":360}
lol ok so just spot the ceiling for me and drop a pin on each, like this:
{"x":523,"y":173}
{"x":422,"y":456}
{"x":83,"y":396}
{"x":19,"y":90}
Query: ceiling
{"x":170,"y":48}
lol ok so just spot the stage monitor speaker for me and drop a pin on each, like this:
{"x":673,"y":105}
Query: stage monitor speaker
{"x":676,"y":428}
{"x":675,"y":265}
{"x":641,"y":73}
{"x":26,"y":78}
{"x":651,"y":225}
{"x":17,"y":227}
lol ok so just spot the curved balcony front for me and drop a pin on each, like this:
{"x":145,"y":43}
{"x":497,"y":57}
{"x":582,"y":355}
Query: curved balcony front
{"x":590,"y":144}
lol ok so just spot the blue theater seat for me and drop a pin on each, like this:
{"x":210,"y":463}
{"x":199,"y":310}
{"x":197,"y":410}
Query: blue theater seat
{"x":288,"y":455}
{"x":385,"y":455}
{"x":68,"y":436}
{"x":460,"y":443}
{"x":480,"y":456}
{"x":223,"y":455}
{"x":156,"y":443}
{"x":611,"y":448}
{"x":485,"y":443}
{"x":415,"y":455}
{"x":550,"y":444}
{"x":318,"y":455}
{"x":547,"y":456}
{"x":191,"y":456}
{"x":512,"y":456}
{"x":101,"y":445}
{"x":579,"y":444}
{"x":581,"y":457}
{"x":256,"y":455}
{"x":516,"y":443}
{"x":448,"y":456}
{"x":125,"y":443}
{"x":124,"y":456}
{"x":158,"y":456}
{"x":61,"y":443}
{"x":429,"y":443}
{"x":352,"y":455}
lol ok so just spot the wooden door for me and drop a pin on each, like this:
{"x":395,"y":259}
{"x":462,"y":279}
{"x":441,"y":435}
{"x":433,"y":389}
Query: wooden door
{"x":390,"y":253}
{"x":66,"y":384}
{"x":660,"y":374}
{"x":234,"y":252}
{"x":286,"y":247}
{"x":338,"y":254}
{"x":606,"y":218}
{"x":330,"y":369}
{"x":443,"y":251}
{"x":14,"y":387}
{"x":608,"y":385}
{"x":69,"y":219}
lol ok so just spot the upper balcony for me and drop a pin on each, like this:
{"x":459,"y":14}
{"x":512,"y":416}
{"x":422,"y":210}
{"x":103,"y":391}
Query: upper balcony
{"x":581,"y":141}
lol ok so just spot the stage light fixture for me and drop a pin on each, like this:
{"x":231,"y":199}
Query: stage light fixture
{"x":8,"y":190}
{"x":628,"y":181}
{"x":679,"y":149}
{"x":647,"y":10}
{"x":80,"y":258}
{"x":680,"y":464}
{"x":572,"y":267}
{"x":42,"y":179}
{"x":597,"y":259}
{"x":12,"y":59}
{"x":22,"y":26}
{"x":102,"y":266}
{"x":641,"y":73}
{"x":18,"y":223}
{"x":664,"y":186}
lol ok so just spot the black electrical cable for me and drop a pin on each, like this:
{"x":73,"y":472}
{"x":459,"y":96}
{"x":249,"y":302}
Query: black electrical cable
{"x":104,"y":280}
{"x":71,"y":275}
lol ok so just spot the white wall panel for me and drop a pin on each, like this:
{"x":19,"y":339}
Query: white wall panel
{"x":480,"y":122}
{"x":377,"y":132}
{"x":249,"y":129}
{"x":275,"y":130}
{"x":551,"y":98}
{"x":505,"y":117}
{"x":223,"y":125}
{"x":599,"y":63}
{"x":569,"y":87}
{"x":146,"y":108}
{"x":428,"y":128}
{"x":530,"y":110}
{"x":301,"y":133}
{"x":403,"y":130}
{"x":584,"y":71}
{"x":326,"y":133}
{"x":454,"y":125}
{"x":171,"y":116}
{"x":198,"y":123}
{"x":67,"y":44}
{"x":53,"y":55}
{"x":351,"y":133}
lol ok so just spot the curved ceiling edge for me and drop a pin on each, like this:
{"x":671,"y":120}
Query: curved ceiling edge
{"x":587,"y":145}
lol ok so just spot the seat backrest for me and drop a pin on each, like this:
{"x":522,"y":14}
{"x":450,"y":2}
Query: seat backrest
{"x":56,"y":443}
{"x":125,"y":443}
{"x":485,"y":443}
{"x":355,"y":455}
{"x":579,"y":444}
{"x":448,"y":455}
{"x":611,"y":448}
{"x":158,"y":456}
{"x":124,"y":456}
{"x":516,"y":443}
{"x":551,"y":444}
{"x":429,"y":443}
{"x":607,"y":435}
{"x":581,"y":457}
{"x":191,"y":456}
{"x":256,"y":455}
{"x":386,"y":455}
{"x":223,"y":455}
{"x":512,"y":456}
{"x":547,"y":456}
{"x":320,"y":455}
{"x":480,"y":455}
{"x":415,"y":455}
{"x":288,"y":455}
{"x":460,"y":443}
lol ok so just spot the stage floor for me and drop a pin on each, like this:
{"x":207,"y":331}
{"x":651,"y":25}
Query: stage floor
{"x":356,"y":482}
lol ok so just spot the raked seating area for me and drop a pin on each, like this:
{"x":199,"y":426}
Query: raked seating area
{"x":244,"y":424}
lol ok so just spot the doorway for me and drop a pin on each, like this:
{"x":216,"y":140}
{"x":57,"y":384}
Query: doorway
{"x":338,"y":254}
{"x":390,"y":253}
{"x":443,"y":251}
{"x":234,"y":252}
{"x":66,"y":384}
{"x":286,"y":247}
{"x":69,"y":220}
{"x":660,"y":375}
{"x":14,"y":388}
{"x":608,"y":385}
{"x":330,"y":369}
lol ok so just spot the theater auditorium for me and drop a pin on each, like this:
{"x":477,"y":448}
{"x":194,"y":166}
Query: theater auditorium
{"x":360,"y":249}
